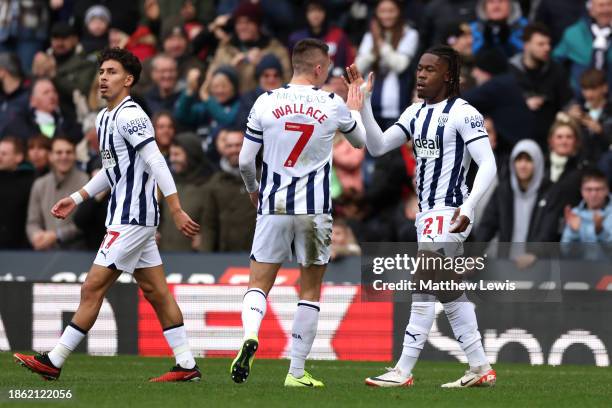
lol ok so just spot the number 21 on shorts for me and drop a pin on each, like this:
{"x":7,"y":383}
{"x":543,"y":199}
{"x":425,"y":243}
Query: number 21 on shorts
{"x":428,"y":227}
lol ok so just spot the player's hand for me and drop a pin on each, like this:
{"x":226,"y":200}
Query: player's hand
{"x":354,"y":99}
{"x":354,"y":76}
{"x":459,"y":222}
{"x":571,"y":219}
{"x":63,"y":208}
{"x":185,"y":224}
{"x":254,"y":196}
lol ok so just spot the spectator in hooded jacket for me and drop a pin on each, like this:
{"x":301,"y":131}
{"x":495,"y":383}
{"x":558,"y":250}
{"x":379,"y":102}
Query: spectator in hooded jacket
{"x":439,"y":15}
{"x":500,"y":25}
{"x":519,"y":203}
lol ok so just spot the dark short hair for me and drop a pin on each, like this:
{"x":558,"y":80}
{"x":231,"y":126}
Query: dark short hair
{"x":128,"y":61}
{"x":17,"y":143}
{"x":39,"y":140}
{"x":64,"y":138}
{"x":535,"y":28}
{"x":304,"y":53}
{"x":593,"y":174}
{"x":592,"y":78}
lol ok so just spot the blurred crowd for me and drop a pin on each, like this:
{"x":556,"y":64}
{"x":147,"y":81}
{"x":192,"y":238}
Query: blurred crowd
{"x":539,"y":71}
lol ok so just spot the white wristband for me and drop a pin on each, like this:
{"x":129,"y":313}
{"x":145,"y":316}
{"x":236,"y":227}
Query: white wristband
{"x":76,"y":197}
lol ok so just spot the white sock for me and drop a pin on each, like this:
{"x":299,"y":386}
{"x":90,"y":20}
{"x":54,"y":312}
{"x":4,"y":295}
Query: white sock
{"x":69,"y":341}
{"x":176,"y":336}
{"x":253,"y":311}
{"x":303,"y":334}
{"x":462,"y":319}
{"x":422,"y":315}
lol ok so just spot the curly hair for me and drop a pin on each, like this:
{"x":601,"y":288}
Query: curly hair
{"x":128,"y":61}
{"x":453,"y":59}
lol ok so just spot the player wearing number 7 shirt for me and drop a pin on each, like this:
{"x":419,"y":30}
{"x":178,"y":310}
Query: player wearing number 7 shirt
{"x":446,"y":133}
{"x":295,"y":125}
{"x":133,"y":168}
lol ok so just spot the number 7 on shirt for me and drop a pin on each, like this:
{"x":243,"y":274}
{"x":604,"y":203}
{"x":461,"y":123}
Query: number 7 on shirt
{"x":306,"y":131}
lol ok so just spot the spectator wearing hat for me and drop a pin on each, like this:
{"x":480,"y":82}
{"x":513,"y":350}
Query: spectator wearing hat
{"x":191,"y":169}
{"x":269,"y":73}
{"x":24,"y":27}
{"x":215,"y":107}
{"x":97,"y":25}
{"x":44,"y":115}
{"x":500,"y":25}
{"x":341,"y":51}
{"x":13,"y":94}
{"x":513,"y":120}
{"x":16,"y":179}
{"x":73,"y":72}
{"x":248,"y":45}
{"x":543,"y":81}
{"x":586,"y":44}
{"x":125,"y":14}
{"x":163,"y":94}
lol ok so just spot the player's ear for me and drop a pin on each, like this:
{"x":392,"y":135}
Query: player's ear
{"x":129,"y":80}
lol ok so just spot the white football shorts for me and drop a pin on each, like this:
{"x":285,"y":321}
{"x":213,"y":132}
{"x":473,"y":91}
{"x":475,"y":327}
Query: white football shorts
{"x":278,"y":236}
{"x":433,"y":232}
{"x":128,"y":247}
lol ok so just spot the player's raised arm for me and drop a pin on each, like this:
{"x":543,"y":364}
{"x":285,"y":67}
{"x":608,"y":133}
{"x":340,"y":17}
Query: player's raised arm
{"x":377,"y":141}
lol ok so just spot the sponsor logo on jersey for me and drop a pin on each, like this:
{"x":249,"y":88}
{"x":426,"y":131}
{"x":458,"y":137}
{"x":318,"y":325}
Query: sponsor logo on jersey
{"x":427,"y":148}
{"x":108,"y":161}
{"x":475,"y":121}
{"x":135,"y":125}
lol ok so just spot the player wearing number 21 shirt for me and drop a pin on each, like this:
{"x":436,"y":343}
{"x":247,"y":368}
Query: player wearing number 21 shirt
{"x":446,"y":134}
{"x":295,"y":125}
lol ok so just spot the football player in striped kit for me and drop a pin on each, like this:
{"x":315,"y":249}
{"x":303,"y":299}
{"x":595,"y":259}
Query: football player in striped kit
{"x":295,"y":125}
{"x":446,"y":134}
{"x":133,"y":169}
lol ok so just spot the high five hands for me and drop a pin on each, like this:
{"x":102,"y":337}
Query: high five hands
{"x":357,"y":87}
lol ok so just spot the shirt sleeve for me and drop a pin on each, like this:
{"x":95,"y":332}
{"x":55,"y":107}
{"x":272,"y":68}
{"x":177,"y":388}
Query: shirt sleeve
{"x":470,"y":124}
{"x":346,"y":122}
{"x":135,"y":126}
{"x":254,"y":128}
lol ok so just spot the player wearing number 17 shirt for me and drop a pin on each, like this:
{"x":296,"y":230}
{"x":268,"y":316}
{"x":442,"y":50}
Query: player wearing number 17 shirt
{"x":446,"y":134}
{"x":133,"y":169}
{"x":295,"y":125}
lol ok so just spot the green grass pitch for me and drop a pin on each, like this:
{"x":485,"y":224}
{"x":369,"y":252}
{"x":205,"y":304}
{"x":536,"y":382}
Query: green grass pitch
{"x":121,"y":382}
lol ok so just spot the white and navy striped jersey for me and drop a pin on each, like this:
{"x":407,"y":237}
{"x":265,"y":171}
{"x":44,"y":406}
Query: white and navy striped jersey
{"x":121,"y":133}
{"x":296,"y":125}
{"x":440,"y":134}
